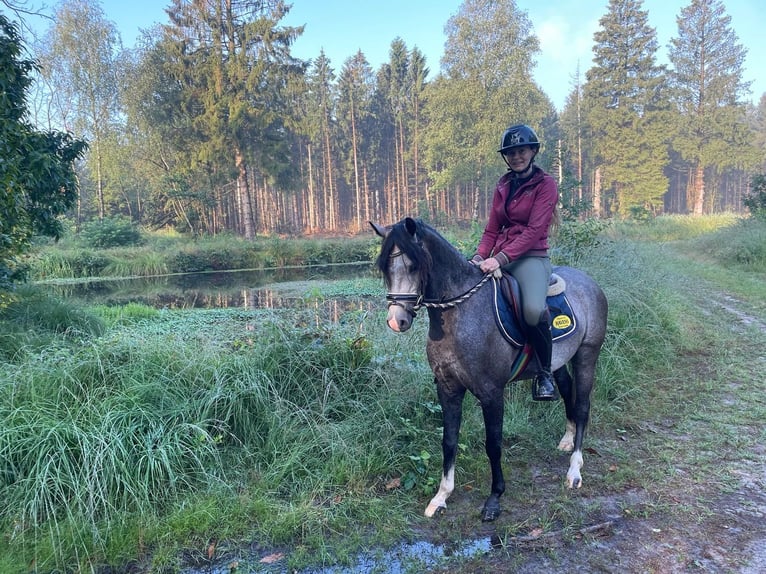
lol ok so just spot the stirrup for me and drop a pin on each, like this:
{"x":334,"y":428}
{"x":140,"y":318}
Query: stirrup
{"x":543,"y":388}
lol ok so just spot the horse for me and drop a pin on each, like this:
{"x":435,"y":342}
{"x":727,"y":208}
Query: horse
{"x":467,"y":352}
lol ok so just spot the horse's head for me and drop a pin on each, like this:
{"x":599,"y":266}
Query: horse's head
{"x":405,"y":265}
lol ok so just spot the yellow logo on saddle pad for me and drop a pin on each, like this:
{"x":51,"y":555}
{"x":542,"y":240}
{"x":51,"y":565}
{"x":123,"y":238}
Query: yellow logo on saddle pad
{"x":561,"y":322}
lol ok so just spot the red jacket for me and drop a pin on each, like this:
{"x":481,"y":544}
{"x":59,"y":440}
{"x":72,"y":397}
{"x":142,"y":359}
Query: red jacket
{"x":519,"y":226}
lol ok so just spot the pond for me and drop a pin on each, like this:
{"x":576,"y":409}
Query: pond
{"x":262,"y":288}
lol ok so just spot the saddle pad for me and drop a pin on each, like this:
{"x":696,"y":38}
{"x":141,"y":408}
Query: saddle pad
{"x":563,"y":320}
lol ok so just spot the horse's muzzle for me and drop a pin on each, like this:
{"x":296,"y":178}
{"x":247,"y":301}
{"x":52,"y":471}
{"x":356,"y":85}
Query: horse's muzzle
{"x":400,"y":316}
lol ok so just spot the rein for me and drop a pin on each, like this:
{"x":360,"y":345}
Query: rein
{"x":418,"y":301}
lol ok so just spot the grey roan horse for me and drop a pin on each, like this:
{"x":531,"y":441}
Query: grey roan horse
{"x":466,"y":351}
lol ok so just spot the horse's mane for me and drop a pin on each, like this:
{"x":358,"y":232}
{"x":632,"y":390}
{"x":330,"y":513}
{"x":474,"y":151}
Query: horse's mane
{"x":400,"y":236}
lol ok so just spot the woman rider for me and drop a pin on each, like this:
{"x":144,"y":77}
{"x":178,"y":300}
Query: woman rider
{"x":516,"y":239}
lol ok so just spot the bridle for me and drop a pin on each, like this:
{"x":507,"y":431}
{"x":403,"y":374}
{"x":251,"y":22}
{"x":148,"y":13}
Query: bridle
{"x":413,"y":302}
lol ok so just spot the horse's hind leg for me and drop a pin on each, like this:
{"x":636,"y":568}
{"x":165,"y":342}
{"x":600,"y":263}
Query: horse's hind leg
{"x":452,"y":412}
{"x":578,"y":410}
{"x":566,"y":390}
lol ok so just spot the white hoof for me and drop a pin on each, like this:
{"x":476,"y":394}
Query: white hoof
{"x":432,"y":509}
{"x":574,"y":480}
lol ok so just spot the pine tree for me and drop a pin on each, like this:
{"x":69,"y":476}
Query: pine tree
{"x":626,"y":111}
{"x":707,"y":88}
{"x":233,"y":63}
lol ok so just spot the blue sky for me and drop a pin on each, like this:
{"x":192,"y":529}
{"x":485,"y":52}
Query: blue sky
{"x":565,"y":29}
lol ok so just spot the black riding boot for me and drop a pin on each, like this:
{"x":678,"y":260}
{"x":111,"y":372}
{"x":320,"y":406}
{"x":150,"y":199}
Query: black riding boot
{"x":543,"y":388}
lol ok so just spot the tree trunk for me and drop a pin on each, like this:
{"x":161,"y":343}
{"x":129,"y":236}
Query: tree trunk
{"x":597,"y":193}
{"x":699,"y":189}
{"x":312,"y":215}
{"x":244,"y":197}
{"x":357,"y":187}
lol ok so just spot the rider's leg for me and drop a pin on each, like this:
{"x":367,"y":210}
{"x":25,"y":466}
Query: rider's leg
{"x":533,"y":275}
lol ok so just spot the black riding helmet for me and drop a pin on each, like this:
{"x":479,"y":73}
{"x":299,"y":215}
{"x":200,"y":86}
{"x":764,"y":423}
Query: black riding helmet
{"x":517,"y":136}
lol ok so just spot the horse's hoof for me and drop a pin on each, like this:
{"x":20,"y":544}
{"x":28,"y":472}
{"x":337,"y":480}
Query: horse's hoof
{"x":574,"y":482}
{"x":435,"y":510}
{"x":491,"y":511}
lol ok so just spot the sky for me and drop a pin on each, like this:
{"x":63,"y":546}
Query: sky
{"x":565,"y":29}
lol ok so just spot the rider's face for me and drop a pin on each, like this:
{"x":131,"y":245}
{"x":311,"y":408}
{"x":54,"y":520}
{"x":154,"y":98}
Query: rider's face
{"x":519,"y":156}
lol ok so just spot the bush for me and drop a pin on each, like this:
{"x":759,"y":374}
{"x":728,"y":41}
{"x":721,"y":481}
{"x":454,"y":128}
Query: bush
{"x":574,"y":239}
{"x":115,"y":231}
{"x":756,"y":201}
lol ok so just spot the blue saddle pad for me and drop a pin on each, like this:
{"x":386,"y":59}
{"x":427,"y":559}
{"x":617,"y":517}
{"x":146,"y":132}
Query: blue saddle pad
{"x":563,"y":320}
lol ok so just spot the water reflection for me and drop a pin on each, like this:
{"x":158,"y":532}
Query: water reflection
{"x":402,"y":559}
{"x":236,"y":289}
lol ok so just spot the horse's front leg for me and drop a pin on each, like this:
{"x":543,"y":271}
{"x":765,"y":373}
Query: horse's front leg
{"x":492,"y":409}
{"x":452,"y":412}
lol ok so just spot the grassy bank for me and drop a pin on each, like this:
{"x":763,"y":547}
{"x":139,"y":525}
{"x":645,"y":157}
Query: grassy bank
{"x":156,"y":438}
{"x":159,"y":254}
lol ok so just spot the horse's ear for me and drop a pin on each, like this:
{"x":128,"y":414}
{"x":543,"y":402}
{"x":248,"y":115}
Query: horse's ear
{"x":411,"y":226}
{"x":381,"y":231}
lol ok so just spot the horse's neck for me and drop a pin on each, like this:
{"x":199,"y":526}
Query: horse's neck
{"x":451,"y":276}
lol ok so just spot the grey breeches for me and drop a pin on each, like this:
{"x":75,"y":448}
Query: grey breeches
{"x":533,"y":274}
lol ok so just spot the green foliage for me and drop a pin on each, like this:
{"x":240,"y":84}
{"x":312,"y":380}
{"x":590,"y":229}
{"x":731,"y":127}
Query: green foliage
{"x":574,"y":240}
{"x":123,"y":314}
{"x":756,"y":200}
{"x":32,"y":321}
{"x":116,"y":231}
{"x":145,"y":416}
{"x":37,"y":178}
{"x":626,"y":109}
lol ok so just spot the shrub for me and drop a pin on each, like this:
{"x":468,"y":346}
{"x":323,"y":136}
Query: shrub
{"x":756,"y":201}
{"x":115,"y":231}
{"x":574,"y":239}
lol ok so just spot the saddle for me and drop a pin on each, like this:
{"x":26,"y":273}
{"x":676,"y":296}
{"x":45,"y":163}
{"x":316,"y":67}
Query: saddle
{"x":508,"y":310}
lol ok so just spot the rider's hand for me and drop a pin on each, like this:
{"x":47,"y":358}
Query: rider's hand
{"x":489,"y":265}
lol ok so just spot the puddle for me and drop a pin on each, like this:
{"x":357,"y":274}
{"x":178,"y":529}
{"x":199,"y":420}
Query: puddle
{"x":403,"y":559}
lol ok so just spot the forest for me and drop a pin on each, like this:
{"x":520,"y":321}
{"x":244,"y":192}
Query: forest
{"x":209,"y":124}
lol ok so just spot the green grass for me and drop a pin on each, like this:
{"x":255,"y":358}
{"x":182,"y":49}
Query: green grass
{"x":130,"y":434}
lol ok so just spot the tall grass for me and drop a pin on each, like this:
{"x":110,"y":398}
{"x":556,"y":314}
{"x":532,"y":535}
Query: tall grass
{"x":134,"y":423}
{"x":673,"y":227}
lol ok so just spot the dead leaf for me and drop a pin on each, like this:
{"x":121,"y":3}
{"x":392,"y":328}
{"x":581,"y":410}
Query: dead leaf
{"x":536,"y":532}
{"x":211,"y":550}
{"x":394,"y":483}
{"x":272,"y":558}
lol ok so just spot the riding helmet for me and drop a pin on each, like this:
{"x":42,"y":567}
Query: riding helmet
{"x":519,"y":135}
